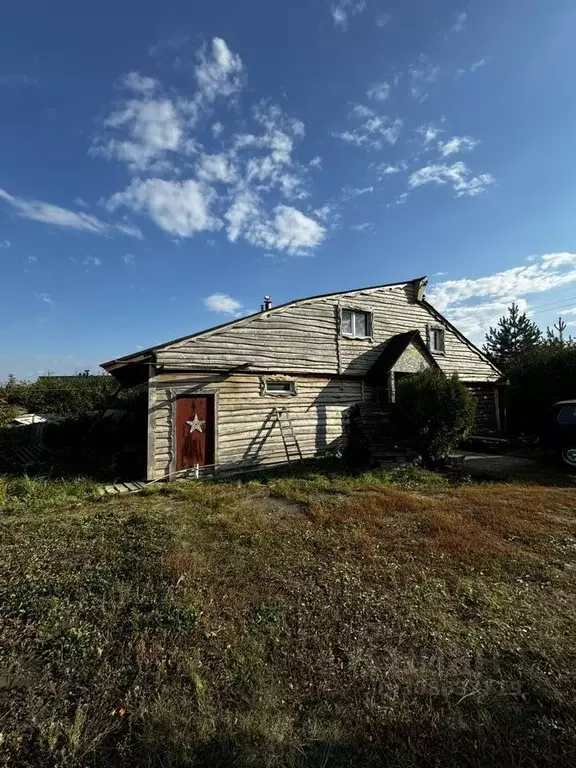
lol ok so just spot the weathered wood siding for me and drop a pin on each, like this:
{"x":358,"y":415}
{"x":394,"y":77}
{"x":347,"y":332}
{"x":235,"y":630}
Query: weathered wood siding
{"x":305,"y":337}
{"x":412,"y":360}
{"x":247,"y":432}
{"x":486,"y":408}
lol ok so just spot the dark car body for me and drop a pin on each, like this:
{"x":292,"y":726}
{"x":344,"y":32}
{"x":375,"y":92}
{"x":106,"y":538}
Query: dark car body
{"x":560,"y":431}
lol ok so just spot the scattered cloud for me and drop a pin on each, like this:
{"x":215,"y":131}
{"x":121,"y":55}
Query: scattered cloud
{"x":429,"y":132}
{"x":180,"y":208}
{"x":53,"y":214}
{"x":348,"y":193}
{"x":221,"y":302}
{"x":457,"y":144}
{"x":47,"y":213}
{"x":93,"y":261}
{"x":80,"y":202}
{"x":153,"y":125}
{"x":287,"y":229}
{"x":459,"y":299}
{"x":220,"y":73}
{"x":421,"y":75}
{"x":344,"y":9}
{"x":364,"y":226}
{"x":460,"y":22}
{"x":45,"y":297}
{"x":247,"y":188}
{"x":473,"y":67}
{"x":457,"y":175}
{"x":374,"y":131}
{"x":18,"y":81}
{"x":386,"y":169}
{"x":130,"y":230}
{"x":32,"y":259}
{"x":217,"y":130}
{"x":379,"y":91}
{"x":5,"y":244}
{"x":382,"y":20}
{"x":129,"y":258}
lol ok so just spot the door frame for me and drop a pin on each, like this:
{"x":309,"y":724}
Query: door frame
{"x":174,"y":393}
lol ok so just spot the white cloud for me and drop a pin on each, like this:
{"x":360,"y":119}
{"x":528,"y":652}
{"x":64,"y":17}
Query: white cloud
{"x":93,"y":261}
{"x":288,"y":229}
{"x":220,"y":73}
{"x":473,"y":67}
{"x":221,"y":302}
{"x":179,"y":207}
{"x":186,"y":188}
{"x":382,"y":20}
{"x":216,"y":168}
{"x":379,"y":91}
{"x":421,"y":75}
{"x":386,"y":169}
{"x":460,"y":22}
{"x":457,"y":144}
{"x":217,"y":130}
{"x":457,"y":175}
{"x":130,"y":230}
{"x":364,"y":226}
{"x":129,"y":259}
{"x":344,"y":9}
{"x":459,"y":298}
{"x":5,"y":244}
{"x":429,"y":132}
{"x":45,"y":297}
{"x":326,"y":212}
{"x":154,"y":128}
{"x":551,"y":271}
{"x":137,"y":83}
{"x":374,"y":131}
{"x":47,"y":213}
{"x":32,"y":259}
{"x":350,"y":192}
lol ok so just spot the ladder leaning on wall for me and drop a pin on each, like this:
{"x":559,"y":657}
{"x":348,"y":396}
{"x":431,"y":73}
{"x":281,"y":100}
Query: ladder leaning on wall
{"x":287,"y":432}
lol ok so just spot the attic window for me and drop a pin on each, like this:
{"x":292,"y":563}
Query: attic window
{"x":281,"y":387}
{"x":437,"y":342}
{"x":356,"y":324}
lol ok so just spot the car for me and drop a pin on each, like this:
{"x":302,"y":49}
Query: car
{"x":560,"y":431}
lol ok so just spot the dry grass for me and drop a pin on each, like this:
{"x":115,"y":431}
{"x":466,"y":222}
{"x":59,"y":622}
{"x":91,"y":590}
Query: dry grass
{"x":321,"y":620}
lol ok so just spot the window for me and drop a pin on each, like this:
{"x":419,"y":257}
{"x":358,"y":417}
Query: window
{"x":278,"y":387}
{"x":567,"y":415}
{"x":437,"y":339}
{"x":356,"y":324}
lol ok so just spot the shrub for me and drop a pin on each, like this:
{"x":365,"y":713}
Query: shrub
{"x":435,"y":411}
{"x":538,"y":379}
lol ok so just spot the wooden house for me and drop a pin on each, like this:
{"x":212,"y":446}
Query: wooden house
{"x":280,"y":384}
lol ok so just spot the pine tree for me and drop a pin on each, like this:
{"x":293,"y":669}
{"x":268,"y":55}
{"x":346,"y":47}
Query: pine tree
{"x":555,"y":335}
{"x":514,"y":334}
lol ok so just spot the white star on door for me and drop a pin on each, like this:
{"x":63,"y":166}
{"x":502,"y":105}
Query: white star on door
{"x":195,"y":424}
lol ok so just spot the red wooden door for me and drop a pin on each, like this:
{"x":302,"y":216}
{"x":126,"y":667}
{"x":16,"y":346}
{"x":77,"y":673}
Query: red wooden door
{"x":194,"y":431}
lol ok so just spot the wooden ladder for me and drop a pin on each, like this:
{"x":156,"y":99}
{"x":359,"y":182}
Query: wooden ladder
{"x":287,"y":431}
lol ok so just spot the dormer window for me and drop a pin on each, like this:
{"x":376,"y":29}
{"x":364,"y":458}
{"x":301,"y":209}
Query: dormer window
{"x":356,"y":324}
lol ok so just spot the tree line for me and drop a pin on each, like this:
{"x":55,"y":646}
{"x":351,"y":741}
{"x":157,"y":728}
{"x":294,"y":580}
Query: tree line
{"x":540,"y":367}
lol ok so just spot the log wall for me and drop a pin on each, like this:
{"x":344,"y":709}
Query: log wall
{"x":305,"y":337}
{"x":247,"y":431}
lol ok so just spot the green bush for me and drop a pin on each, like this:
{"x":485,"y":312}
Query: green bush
{"x":539,"y":378}
{"x":70,"y":396}
{"x":435,"y":411}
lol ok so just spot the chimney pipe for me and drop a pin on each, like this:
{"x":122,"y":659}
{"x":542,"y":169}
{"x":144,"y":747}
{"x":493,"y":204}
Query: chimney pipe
{"x":267,"y":304}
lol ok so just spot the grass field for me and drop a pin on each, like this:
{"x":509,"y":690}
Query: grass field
{"x":392,"y":619}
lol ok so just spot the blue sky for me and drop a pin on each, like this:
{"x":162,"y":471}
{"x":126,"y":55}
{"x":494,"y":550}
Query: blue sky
{"x":164,"y":166}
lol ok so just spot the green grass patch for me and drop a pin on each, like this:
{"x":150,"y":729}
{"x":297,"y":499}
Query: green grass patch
{"x":387,"y":618}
